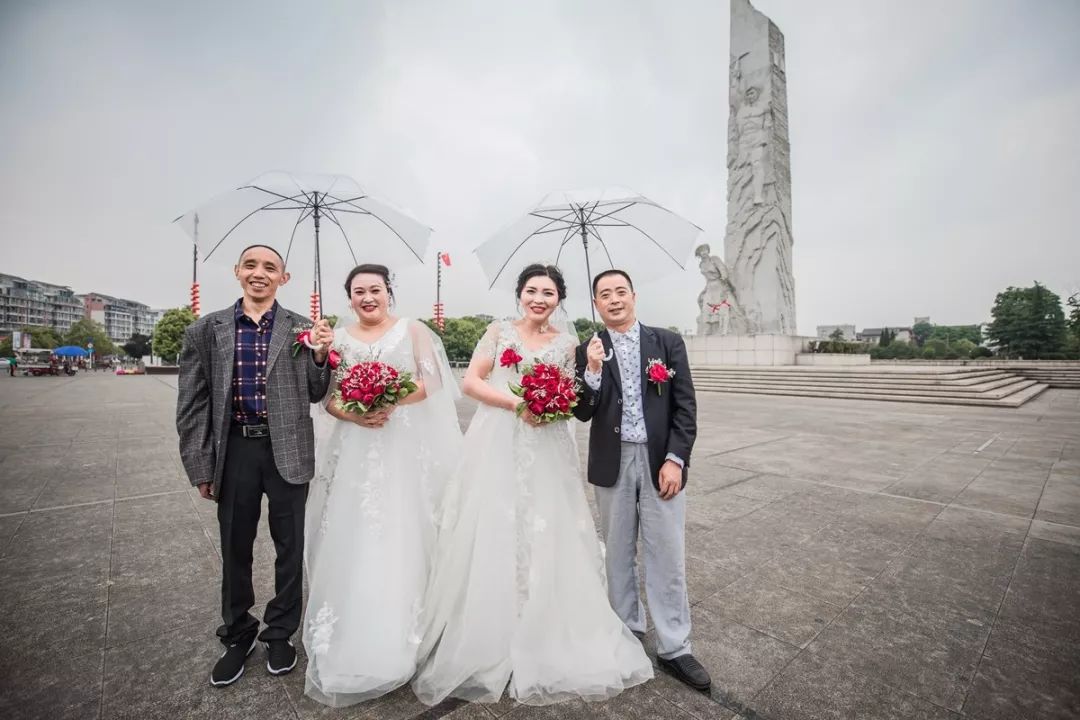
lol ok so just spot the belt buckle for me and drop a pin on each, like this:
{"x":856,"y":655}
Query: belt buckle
{"x":256,"y":431}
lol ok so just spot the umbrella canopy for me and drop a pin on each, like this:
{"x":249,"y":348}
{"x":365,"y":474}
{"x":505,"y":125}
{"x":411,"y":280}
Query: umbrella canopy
{"x":317,"y":220}
{"x":587,"y":231}
{"x":70,"y":351}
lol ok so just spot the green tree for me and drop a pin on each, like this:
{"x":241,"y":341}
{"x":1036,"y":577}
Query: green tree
{"x":1028,"y":323}
{"x":586,"y":327}
{"x":169,"y":333}
{"x":954,"y":333}
{"x":887,"y":336}
{"x":938,"y":346}
{"x":836,"y":334}
{"x":921,"y":331}
{"x":85,"y":331}
{"x":138,"y":346}
{"x":43,"y":337}
{"x":963,"y":347}
{"x":461,"y":335}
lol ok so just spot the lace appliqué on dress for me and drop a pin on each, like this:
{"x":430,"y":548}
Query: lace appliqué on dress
{"x":322,"y":629}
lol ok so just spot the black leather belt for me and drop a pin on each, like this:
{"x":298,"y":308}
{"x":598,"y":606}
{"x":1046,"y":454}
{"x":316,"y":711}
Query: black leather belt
{"x":253,"y":431}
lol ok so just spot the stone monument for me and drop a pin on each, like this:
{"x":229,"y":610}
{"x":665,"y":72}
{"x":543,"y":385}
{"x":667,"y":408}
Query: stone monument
{"x":746,"y":312}
{"x":758,"y":241}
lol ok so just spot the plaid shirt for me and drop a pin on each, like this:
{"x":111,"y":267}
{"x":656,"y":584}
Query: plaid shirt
{"x":249,"y":365}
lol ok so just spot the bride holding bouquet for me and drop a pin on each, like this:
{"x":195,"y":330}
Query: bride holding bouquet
{"x":517,"y":597}
{"x":371,"y":513}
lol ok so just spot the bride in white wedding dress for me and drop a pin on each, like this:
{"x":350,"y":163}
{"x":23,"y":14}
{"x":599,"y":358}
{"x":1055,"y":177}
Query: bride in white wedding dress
{"x":372,"y":508}
{"x":517,"y":599}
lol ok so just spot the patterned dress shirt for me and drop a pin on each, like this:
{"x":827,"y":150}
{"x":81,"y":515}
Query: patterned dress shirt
{"x":628,"y":354}
{"x":249,"y":366}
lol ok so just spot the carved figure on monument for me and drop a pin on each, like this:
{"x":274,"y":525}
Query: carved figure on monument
{"x":752,"y":122}
{"x":717,"y":303}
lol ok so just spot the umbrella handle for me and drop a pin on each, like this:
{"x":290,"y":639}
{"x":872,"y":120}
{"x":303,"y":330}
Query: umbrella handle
{"x":610,"y":352}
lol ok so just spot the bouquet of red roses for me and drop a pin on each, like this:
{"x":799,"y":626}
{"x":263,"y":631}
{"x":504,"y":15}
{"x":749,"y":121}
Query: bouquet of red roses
{"x":372,"y":385}
{"x":549,"y":392}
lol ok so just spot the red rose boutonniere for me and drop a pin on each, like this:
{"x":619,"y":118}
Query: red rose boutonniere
{"x":303,"y":340}
{"x":510,"y":356}
{"x":658,"y":374}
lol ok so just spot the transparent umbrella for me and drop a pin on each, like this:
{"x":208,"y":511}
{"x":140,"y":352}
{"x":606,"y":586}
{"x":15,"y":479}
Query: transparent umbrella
{"x":328,"y":218}
{"x":586,"y":231}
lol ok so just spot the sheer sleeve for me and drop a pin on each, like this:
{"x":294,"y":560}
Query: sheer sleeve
{"x":489,"y":343}
{"x":432,"y":365}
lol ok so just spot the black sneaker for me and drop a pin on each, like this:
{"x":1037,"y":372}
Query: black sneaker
{"x":280,"y":657}
{"x":230,"y":666}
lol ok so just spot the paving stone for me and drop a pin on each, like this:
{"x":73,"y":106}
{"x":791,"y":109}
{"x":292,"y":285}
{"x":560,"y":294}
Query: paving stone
{"x":1023,"y":675}
{"x":814,"y":688}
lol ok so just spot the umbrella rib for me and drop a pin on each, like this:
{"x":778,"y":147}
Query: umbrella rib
{"x":565,"y":240}
{"x":611,"y":263}
{"x":657,"y":244}
{"x":345,"y":235}
{"x":521,"y":245}
{"x":295,"y":198}
{"x":226,"y":235}
{"x":351,"y":201}
{"x":292,"y":236}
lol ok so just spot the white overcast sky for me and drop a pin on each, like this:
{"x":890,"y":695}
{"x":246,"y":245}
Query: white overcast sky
{"x":935,"y":145}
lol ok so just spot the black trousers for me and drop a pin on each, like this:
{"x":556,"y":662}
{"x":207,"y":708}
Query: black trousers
{"x":249,"y":473}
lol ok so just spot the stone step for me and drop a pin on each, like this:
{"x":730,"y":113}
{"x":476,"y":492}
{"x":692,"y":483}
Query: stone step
{"x":998,"y":388}
{"x":1012,"y":401}
{"x":956,"y":393}
{"x":987,"y":380}
{"x":809,"y":371}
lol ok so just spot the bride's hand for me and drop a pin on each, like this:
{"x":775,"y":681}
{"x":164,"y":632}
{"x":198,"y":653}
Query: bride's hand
{"x":529,"y":418}
{"x":373,"y":419}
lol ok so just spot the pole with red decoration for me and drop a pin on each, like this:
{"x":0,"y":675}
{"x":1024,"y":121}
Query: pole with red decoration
{"x":195,"y":270}
{"x":440,"y":317}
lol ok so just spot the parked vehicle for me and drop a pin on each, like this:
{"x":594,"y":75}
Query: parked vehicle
{"x":37,"y":361}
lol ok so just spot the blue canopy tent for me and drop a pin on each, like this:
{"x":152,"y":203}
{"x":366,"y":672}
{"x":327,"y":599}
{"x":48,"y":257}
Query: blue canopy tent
{"x":70,"y":351}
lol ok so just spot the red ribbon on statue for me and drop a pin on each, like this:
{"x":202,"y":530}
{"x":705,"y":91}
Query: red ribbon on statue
{"x":715,"y":307}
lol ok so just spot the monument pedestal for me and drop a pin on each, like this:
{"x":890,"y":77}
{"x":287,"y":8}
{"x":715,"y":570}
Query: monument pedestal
{"x":757,"y":350}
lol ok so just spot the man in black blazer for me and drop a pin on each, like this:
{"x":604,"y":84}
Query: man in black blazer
{"x":637,"y":390}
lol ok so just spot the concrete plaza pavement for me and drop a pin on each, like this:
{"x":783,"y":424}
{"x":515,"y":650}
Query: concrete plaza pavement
{"x":846,"y":560}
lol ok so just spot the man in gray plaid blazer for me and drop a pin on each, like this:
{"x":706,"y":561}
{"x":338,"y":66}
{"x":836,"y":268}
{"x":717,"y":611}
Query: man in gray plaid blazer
{"x":245,"y":429}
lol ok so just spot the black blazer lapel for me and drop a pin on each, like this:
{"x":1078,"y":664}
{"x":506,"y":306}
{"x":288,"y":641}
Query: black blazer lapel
{"x":613,"y":364}
{"x":650,"y":350}
{"x":280,"y":336}
{"x":225,"y":339}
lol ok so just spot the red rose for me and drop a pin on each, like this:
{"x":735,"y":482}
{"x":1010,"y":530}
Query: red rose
{"x":352,"y":394}
{"x":368,"y":399}
{"x":333,"y":358}
{"x":379,"y":389}
{"x":658,"y":373}
{"x":536,"y":408}
{"x":304,"y":337}
{"x":509,"y":357}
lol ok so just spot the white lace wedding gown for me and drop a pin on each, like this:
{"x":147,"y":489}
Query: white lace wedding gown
{"x":371,"y":524}
{"x":518,"y":594}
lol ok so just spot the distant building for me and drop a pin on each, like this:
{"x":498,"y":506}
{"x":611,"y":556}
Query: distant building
{"x":873,"y":335}
{"x":37,"y":304}
{"x":824,"y":332}
{"x":121,"y":318}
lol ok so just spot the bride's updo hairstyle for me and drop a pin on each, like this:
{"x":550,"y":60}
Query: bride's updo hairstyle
{"x":370,"y":269}
{"x":536,"y":270}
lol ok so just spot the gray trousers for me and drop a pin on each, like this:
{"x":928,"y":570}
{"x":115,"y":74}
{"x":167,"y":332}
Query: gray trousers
{"x":632,"y":503}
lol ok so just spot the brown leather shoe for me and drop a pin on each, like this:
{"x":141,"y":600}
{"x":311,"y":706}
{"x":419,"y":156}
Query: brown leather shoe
{"x":687,"y":669}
